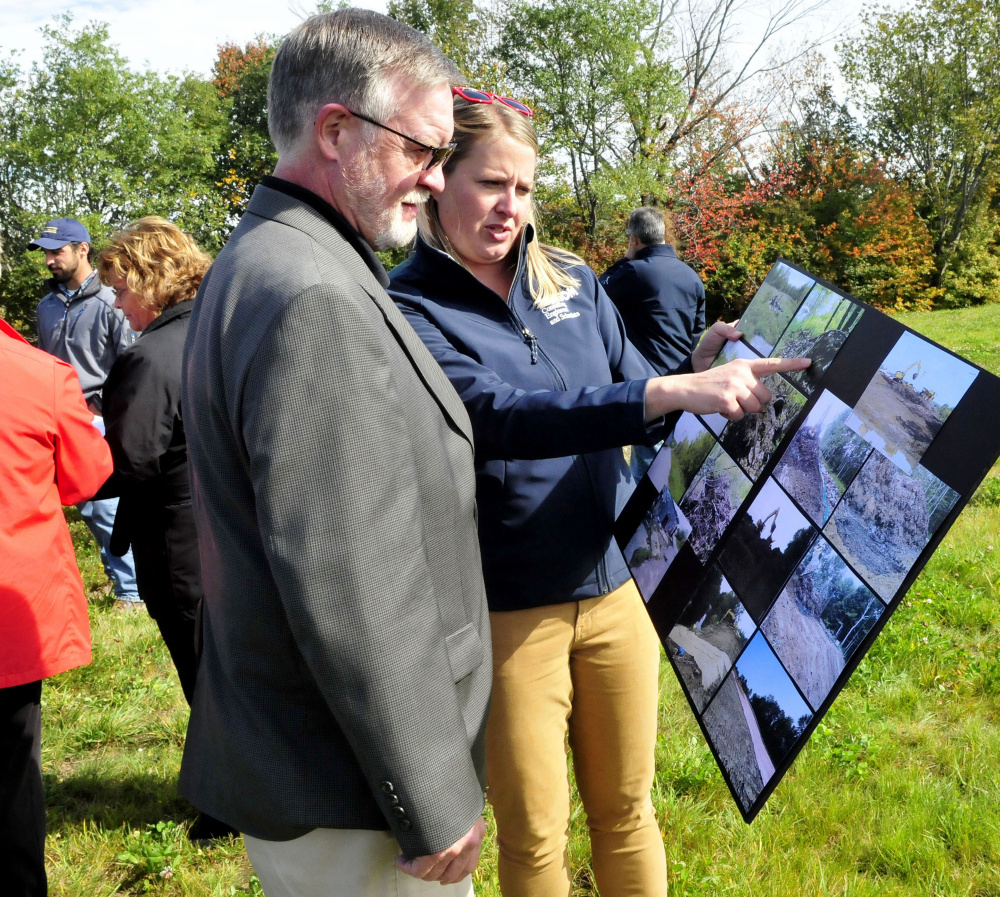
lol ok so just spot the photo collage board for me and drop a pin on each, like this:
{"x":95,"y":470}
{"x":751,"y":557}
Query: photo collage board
{"x":770,"y":551}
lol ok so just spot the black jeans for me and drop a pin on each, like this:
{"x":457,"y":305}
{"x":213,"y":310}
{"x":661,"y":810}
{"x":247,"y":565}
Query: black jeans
{"x":22,"y":800}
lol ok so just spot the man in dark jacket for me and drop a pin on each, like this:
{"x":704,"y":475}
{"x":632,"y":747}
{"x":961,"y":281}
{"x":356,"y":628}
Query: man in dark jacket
{"x":78,"y":323}
{"x":340,"y":705}
{"x":661,"y":300}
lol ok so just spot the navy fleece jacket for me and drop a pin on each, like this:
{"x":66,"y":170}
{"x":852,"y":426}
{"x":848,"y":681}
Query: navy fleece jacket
{"x":553,"y":394}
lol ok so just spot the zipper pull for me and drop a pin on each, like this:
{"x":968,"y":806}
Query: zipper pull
{"x":532,"y":342}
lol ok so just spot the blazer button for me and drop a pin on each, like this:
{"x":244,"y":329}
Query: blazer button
{"x":387,"y":787}
{"x":398,"y":812}
{"x":393,"y":798}
{"x":405,"y":824}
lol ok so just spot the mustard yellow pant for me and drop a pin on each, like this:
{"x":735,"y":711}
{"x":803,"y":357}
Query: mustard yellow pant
{"x":587,"y":669}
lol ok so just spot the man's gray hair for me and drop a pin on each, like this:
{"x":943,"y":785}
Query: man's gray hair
{"x":347,"y":57}
{"x":646,"y":225}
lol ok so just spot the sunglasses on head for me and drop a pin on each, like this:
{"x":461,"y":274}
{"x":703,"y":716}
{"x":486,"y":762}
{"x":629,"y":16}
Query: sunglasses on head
{"x":482,"y":96}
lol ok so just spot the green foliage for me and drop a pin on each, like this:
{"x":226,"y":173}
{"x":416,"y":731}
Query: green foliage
{"x":458,"y":27}
{"x":599,"y":75}
{"x":246,"y":153}
{"x":825,"y":206}
{"x":895,"y":794}
{"x":973,"y":276}
{"x":928,"y":81}
{"x":83,"y":136}
{"x":988,"y":493}
{"x":155,"y":851}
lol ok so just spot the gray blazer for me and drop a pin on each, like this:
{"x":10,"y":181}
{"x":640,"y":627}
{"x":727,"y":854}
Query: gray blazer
{"x":345,"y":674}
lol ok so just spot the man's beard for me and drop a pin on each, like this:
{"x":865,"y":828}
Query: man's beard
{"x":382,"y":225}
{"x":66,"y":274}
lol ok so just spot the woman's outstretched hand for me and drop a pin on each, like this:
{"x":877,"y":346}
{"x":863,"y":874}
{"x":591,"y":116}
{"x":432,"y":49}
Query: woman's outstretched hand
{"x":732,"y":389}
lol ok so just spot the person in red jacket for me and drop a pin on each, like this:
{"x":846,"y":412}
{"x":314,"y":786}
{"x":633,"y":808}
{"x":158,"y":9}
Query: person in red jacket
{"x":50,"y":455}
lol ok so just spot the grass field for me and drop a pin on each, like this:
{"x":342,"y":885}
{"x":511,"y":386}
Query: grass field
{"x":896,"y":794}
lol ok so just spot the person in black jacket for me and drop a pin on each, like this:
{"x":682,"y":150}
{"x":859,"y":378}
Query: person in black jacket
{"x":539,"y":356}
{"x":155,"y":269}
{"x":661,"y":300}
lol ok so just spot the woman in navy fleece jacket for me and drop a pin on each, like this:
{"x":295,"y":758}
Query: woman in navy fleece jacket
{"x":538,"y":355}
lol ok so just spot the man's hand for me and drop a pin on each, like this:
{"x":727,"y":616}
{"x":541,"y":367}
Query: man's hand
{"x":451,"y":865}
{"x":732,"y":389}
{"x":711,"y":342}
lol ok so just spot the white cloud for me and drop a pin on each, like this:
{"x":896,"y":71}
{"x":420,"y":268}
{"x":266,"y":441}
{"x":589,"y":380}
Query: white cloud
{"x":182,"y":35}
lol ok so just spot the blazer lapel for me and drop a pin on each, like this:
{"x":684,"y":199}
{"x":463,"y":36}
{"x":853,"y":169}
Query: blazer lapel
{"x":285,"y":209}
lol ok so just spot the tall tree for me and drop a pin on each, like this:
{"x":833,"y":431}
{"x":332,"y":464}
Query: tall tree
{"x":599,"y":74}
{"x":82,"y":135}
{"x":928,"y":82}
{"x":458,"y":27}
{"x":246,"y":153}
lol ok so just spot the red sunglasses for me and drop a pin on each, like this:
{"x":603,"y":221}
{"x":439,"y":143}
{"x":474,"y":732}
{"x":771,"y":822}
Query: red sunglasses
{"x":482,"y":96}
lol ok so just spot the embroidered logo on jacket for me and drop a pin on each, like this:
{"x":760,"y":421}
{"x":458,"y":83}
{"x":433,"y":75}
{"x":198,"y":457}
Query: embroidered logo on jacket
{"x":557,"y":310}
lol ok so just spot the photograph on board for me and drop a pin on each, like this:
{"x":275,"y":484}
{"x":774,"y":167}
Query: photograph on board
{"x":682,"y":456}
{"x":822,"y":458}
{"x":773,"y":306}
{"x":820,"y":618}
{"x":817,"y":331}
{"x":885,"y":519}
{"x":752,"y":440}
{"x":708,"y":637}
{"x":755,"y":719}
{"x":651,"y":550}
{"x":908,"y":400}
{"x":712,"y":500}
{"x":764,"y":547}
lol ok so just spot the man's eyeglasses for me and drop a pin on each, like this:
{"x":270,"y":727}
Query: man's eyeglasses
{"x":482,"y":96}
{"x":439,"y":154}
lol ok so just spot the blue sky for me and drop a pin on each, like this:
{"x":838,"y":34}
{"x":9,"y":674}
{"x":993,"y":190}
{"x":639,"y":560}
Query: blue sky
{"x":940,"y":372}
{"x":789,"y":520}
{"x":768,"y":677}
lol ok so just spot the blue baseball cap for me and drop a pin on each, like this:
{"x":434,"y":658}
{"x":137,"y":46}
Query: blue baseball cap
{"x":59,"y":232}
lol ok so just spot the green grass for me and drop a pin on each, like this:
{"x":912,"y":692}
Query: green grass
{"x":894,"y":796}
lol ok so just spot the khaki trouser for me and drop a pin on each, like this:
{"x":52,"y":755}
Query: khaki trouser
{"x":340,"y":863}
{"x":589,"y":669}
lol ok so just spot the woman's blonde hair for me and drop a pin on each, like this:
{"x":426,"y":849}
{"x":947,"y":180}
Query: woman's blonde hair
{"x":547,"y":274}
{"x":160,"y":264}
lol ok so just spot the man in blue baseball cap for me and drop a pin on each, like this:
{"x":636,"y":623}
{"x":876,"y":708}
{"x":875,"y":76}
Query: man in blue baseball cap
{"x":78,"y":322}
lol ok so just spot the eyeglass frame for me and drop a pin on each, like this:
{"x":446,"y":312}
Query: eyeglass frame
{"x":509,"y":102}
{"x":439,"y":154}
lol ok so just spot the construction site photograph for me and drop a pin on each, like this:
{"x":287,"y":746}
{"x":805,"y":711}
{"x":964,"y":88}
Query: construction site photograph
{"x":651,"y":550}
{"x":772,"y":306}
{"x":766,"y":543}
{"x":754,"y":720}
{"x":752,"y":440}
{"x":822,"y":459}
{"x":712,"y":500}
{"x":708,"y":637}
{"x":819,"y":620}
{"x":908,"y":400}
{"x":886,"y":519}
{"x":817,"y":331}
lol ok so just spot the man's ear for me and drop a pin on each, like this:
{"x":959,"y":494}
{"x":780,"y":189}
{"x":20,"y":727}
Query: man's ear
{"x":329,"y":130}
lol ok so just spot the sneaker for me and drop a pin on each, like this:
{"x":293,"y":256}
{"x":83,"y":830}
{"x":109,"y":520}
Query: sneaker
{"x":122,"y":604}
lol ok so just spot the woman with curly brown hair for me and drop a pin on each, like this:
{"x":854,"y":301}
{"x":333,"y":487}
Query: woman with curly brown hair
{"x":154,"y":269}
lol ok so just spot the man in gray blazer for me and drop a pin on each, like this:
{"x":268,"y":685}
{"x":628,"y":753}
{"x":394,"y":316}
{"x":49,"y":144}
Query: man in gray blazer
{"x":341,"y":701}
